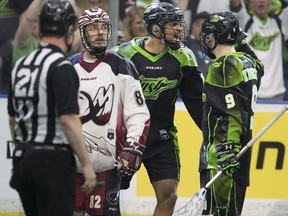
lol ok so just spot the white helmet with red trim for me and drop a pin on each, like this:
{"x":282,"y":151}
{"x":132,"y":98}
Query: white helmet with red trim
{"x":93,"y":15}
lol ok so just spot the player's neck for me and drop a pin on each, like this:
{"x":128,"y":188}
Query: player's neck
{"x":59,"y":42}
{"x":221,"y":49}
{"x":88,"y":57}
{"x":155,"y":46}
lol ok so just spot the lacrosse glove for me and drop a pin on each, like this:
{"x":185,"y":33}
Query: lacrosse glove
{"x":241,"y":44}
{"x":130,"y":158}
{"x":226,"y":154}
{"x":241,"y":40}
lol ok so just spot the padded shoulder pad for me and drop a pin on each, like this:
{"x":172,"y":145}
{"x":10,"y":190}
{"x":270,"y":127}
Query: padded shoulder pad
{"x":74,"y":58}
{"x":226,"y":71}
{"x":125,"y":49}
{"x":185,"y":56}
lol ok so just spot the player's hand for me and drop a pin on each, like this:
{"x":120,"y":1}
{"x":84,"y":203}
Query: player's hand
{"x":226,"y":154}
{"x":242,"y":36}
{"x":90,"y":179}
{"x":129,"y":160}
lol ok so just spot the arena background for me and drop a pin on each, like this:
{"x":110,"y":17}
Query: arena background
{"x":266,"y":196}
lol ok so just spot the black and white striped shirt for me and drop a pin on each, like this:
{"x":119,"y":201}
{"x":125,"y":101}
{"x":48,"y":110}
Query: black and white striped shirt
{"x":44,"y":86}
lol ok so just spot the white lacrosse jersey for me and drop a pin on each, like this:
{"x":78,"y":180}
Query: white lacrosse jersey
{"x":266,"y":40}
{"x":112,"y":107}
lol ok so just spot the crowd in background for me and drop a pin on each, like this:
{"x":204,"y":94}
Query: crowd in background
{"x":19,"y":32}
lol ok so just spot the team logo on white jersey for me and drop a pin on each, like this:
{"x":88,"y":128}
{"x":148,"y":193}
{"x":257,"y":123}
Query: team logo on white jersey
{"x":98,"y":144}
{"x":98,"y":107}
{"x":110,"y":134}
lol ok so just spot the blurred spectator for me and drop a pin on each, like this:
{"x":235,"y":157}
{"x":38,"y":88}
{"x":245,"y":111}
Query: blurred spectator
{"x":193,"y":42}
{"x":267,"y":34}
{"x":9,"y":18}
{"x":27,"y":36}
{"x":82,"y":5}
{"x":133,"y":25}
{"x":123,"y":6}
{"x":189,"y":8}
{"x":121,"y":38}
{"x":275,"y":7}
{"x":212,"y":6}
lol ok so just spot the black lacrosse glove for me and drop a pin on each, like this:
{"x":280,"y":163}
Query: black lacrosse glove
{"x":242,"y":45}
{"x":130,"y":158}
{"x":241,"y":38}
{"x":226,"y":154}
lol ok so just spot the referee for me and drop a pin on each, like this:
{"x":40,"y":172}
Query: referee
{"x":43,"y":110}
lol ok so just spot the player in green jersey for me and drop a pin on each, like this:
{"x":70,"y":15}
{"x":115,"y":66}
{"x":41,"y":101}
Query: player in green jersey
{"x":229,"y":98}
{"x":167,"y":69}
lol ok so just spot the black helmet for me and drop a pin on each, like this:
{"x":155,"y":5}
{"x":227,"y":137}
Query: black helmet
{"x":224,"y":26}
{"x":57,"y":17}
{"x":160,"y":14}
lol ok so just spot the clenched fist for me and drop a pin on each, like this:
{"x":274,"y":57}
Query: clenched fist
{"x":129,"y":160}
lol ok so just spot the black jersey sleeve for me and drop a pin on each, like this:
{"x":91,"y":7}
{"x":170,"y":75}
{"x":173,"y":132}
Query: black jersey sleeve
{"x":191,"y":88}
{"x":65,"y":85}
{"x":191,"y":85}
{"x":11,"y":110}
{"x":250,"y":53}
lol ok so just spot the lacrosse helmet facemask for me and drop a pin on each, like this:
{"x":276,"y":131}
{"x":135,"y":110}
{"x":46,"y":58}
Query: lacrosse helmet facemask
{"x":90,"y":16}
{"x":160,"y":14}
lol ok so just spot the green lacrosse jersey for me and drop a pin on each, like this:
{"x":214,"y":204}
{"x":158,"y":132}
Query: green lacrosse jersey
{"x":229,"y":98}
{"x":163,"y":78}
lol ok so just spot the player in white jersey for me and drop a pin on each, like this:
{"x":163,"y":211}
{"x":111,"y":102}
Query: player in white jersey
{"x":114,"y":115}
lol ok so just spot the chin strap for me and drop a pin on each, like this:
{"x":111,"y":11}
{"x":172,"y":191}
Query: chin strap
{"x":173,"y":46}
{"x":98,"y":53}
